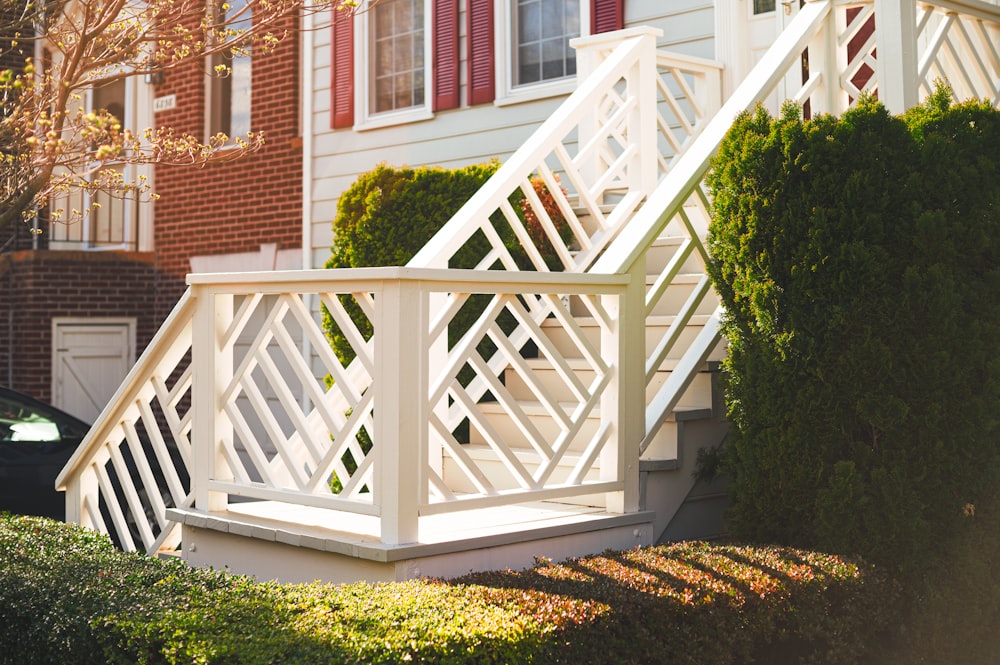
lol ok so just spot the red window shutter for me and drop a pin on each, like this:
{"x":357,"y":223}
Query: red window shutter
{"x":607,"y":15}
{"x":342,"y":66}
{"x":482,"y":68}
{"x":446,"y":55}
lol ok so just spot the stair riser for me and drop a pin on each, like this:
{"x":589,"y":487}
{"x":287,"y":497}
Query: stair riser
{"x":669,"y":304}
{"x":665,"y":443}
{"x":698,"y":394}
{"x":568,"y":349}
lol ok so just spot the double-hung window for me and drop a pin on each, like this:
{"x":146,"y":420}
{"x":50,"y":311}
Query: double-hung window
{"x":396,"y":54}
{"x":541,"y":30}
{"x":534,"y":58}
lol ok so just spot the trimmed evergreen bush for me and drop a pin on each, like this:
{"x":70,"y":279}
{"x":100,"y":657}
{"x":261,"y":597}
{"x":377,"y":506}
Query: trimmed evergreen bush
{"x":68,"y":596}
{"x":857,"y":260}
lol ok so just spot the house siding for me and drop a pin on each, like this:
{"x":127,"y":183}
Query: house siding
{"x":472,"y":133}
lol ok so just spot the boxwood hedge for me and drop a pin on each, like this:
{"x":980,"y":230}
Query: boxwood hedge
{"x":67,"y":595}
{"x":857,"y":260}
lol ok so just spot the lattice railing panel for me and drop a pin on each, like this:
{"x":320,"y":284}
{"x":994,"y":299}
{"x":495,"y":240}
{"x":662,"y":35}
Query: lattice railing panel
{"x":546,"y":443}
{"x":960,"y":49}
{"x":290,"y":431}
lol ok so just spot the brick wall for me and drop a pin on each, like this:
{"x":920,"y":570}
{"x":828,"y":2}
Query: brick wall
{"x":36,"y":286}
{"x":237,"y":206}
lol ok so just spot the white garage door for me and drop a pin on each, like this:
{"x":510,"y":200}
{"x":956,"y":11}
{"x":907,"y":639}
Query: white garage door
{"x":90,"y":357}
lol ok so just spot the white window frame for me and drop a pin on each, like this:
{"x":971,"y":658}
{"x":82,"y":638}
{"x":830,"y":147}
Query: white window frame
{"x":364,"y":117}
{"x":507,"y":92}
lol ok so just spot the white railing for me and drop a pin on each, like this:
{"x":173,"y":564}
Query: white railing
{"x":677,"y":212}
{"x":633,"y":111}
{"x":136,"y":460}
{"x":261,"y":426}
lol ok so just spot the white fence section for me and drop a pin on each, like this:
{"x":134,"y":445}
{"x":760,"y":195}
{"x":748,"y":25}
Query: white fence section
{"x":422,"y":349}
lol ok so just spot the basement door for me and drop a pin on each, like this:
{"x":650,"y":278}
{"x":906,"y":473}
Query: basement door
{"x":90,"y":357}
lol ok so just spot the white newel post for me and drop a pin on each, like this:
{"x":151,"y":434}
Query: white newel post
{"x":401,"y":418}
{"x":83,"y":487}
{"x":212,"y":370}
{"x":896,"y":67}
{"x":625,"y":398}
{"x":644,"y":172}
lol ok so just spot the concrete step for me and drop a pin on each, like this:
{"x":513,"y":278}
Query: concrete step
{"x":295,"y":543}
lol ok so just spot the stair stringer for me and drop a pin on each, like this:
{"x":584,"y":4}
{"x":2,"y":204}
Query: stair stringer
{"x":687,"y":508}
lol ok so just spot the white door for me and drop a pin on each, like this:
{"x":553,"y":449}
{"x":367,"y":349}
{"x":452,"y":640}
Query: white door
{"x":90,"y":357}
{"x":745,"y":29}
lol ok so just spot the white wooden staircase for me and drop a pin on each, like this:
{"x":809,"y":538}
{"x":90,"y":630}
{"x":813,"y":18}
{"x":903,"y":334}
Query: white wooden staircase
{"x":576,"y":429}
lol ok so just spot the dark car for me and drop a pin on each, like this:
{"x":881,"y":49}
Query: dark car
{"x":36,"y":441}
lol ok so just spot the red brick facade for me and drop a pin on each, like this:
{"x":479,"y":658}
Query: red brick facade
{"x":236,"y":206}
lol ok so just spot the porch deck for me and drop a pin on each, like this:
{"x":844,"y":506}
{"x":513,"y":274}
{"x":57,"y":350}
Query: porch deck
{"x":297,"y":543}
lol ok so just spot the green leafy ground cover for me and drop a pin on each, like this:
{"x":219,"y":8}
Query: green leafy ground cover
{"x":67,"y":595}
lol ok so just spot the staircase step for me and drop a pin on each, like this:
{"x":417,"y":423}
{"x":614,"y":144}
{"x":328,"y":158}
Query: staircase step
{"x":656,"y":327}
{"x":662,"y":250}
{"x":664,"y":446}
{"x":670,"y":303}
{"x":698,"y":394}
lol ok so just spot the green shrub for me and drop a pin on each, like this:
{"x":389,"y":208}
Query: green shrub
{"x":955,"y":610}
{"x":856,"y":260}
{"x":68,"y":596}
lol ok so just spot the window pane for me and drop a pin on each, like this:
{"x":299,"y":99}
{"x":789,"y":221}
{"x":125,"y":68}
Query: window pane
{"x":763,"y":6}
{"x":541,"y":43}
{"x":529,"y":66}
{"x":553,"y":59}
{"x":397,"y":58}
{"x":528,"y":19}
{"x":230,"y":96}
{"x":553,"y":23}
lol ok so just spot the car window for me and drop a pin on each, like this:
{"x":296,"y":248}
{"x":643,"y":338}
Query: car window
{"x":24,"y":422}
